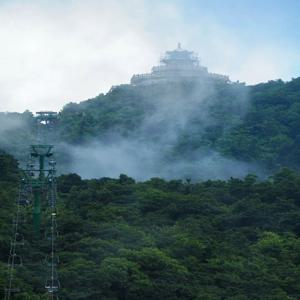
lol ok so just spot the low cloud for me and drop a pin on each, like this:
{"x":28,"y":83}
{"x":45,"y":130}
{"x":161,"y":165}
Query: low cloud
{"x":181,"y":116}
{"x":143,"y":162}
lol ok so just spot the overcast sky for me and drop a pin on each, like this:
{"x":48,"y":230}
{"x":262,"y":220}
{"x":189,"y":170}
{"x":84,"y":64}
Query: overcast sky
{"x":53,"y":52}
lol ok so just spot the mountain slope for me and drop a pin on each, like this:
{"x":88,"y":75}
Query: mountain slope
{"x":176,"y":125}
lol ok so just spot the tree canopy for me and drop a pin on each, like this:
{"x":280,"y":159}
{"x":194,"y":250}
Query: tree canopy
{"x":120,"y":239}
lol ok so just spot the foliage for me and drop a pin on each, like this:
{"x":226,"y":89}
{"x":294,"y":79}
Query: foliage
{"x":121,"y":239}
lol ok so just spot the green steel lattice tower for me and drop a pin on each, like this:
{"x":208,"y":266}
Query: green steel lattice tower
{"x":37,"y":189}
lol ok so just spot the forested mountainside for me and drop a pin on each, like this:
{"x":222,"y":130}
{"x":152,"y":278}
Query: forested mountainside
{"x":256,"y":124}
{"x":259,"y":123}
{"x":122,"y":240}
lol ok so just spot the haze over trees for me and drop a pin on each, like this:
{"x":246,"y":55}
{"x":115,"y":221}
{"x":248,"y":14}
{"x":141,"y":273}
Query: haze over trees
{"x":185,"y":130}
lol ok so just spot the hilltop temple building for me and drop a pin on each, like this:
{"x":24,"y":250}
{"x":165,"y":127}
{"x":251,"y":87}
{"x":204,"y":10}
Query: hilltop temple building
{"x":176,"y":65}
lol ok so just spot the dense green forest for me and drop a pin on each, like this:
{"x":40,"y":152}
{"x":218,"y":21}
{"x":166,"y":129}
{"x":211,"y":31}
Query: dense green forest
{"x":121,"y":239}
{"x":256,"y":124}
{"x":126,"y":240}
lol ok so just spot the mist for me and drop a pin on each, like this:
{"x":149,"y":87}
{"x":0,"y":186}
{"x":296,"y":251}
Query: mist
{"x":16,"y":133}
{"x":179,"y":111}
{"x":176,"y":117}
{"x":141,"y":162}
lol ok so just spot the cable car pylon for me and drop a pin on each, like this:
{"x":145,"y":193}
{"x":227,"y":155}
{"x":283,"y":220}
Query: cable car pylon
{"x":37,"y":189}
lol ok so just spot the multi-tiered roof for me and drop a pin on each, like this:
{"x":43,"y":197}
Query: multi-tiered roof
{"x":176,"y":65}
